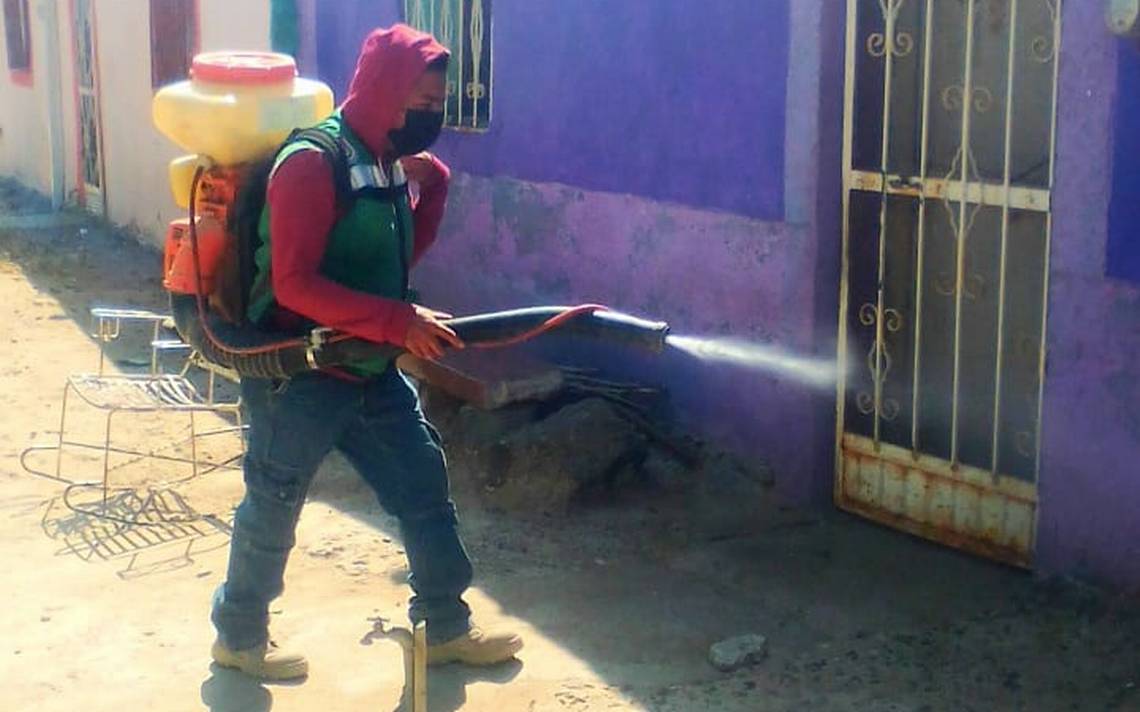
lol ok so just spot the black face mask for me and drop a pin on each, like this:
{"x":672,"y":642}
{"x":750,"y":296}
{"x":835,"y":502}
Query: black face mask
{"x":421,"y":129}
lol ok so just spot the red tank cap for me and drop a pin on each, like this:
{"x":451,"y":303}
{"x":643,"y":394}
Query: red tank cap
{"x":250,"y":68}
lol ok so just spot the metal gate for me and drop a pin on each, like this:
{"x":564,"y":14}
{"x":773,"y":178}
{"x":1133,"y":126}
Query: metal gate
{"x":87,"y":107}
{"x":948,"y":172}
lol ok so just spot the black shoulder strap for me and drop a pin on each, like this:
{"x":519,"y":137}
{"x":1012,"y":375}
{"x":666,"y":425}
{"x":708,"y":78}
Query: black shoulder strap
{"x":251,"y":201}
{"x":334,"y":152}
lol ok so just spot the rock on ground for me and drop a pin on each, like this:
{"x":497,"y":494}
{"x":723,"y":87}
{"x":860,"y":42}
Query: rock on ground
{"x":665,"y":472}
{"x":541,"y":467}
{"x":735,"y":653}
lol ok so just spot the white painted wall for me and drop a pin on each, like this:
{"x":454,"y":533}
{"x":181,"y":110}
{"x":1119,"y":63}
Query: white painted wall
{"x":25,"y":146}
{"x":135,"y":154}
{"x":233,"y":24}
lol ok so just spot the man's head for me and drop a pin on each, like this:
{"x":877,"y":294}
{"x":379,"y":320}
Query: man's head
{"x":395,"y":101}
{"x":420,"y":120}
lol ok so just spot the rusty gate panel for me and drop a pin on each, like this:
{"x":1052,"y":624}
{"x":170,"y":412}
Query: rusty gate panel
{"x":948,"y":171}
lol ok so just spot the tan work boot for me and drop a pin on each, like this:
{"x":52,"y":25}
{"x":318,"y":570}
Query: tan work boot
{"x":265,"y":662}
{"x":475,"y":648}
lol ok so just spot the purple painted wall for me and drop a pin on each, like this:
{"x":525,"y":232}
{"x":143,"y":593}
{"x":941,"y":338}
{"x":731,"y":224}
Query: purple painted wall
{"x":708,"y":272}
{"x":674,"y":100}
{"x":341,"y":27}
{"x":307,"y":29}
{"x":1090,"y":479}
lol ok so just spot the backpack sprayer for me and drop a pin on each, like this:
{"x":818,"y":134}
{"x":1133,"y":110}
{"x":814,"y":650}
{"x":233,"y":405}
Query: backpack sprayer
{"x":233,"y":114}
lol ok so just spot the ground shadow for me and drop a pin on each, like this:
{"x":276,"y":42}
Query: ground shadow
{"x":231,"y":691}
{"x":150,"y":538}
{"x":447,"y":685}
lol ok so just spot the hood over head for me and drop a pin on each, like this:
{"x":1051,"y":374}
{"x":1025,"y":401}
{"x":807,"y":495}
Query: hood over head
{"x":390,"y":63}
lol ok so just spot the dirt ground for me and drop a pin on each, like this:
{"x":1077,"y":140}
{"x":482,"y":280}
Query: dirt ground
{"x":618,"y":602}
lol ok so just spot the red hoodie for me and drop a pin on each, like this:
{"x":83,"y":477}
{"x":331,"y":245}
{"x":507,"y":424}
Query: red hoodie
{"x":302,"y":196}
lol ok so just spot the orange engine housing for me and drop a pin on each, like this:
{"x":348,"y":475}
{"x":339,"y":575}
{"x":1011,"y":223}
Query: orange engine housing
{"x":215,"y":202}
{"x":178,"y":256}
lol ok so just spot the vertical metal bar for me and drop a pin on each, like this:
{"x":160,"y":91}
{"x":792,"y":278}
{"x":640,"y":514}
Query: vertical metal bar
{"x":456,"y":9}
{"x":445,"y":24}
{"x":921,"y":257}
{"x":845,"y":262}
{"x":490,"y":69}
{"x":476,"y":59}
{"x":62,"y":425}
{"x":967,"y":110}
{"x":419,"y":661}
{"x":1057,"y":8}
{"x":100,"y":166}
{"x":193,"y":447}
{"x":155,"y":333}
{"x":102,"y":343}
{"x":107,"y":455}
{"x":891,"y":10}
{"x":461,"y":35}
{"x":1006,"y":181}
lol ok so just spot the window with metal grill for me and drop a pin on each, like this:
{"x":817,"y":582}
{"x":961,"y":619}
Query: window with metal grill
{"x":173,"y":39}
{"x":18,"y":33}
{"x":464,"y":27}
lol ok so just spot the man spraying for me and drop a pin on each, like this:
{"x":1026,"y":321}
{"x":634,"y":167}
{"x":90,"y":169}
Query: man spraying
{"x":337,"y":242}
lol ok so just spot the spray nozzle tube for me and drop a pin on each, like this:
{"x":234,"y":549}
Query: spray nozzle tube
{"x":241,"y":347}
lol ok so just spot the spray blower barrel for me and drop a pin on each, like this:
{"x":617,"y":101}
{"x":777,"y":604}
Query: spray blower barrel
{"x":263,"y":354}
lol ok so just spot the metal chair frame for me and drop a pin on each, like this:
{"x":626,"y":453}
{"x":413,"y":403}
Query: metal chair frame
{"x":152,"y":392}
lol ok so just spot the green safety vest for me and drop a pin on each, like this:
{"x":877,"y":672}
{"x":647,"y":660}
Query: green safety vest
{"x":369,"y":248}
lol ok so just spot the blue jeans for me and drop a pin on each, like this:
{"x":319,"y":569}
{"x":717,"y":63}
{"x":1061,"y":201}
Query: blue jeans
{"x":380,"y":428}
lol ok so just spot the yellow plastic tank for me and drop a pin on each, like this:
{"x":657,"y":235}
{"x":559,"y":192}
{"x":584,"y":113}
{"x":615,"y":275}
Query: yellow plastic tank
{"x":182,"y":177}
{"x":238,"y":106}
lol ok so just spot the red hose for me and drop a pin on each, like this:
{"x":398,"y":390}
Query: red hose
{"x":548,"y":325}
